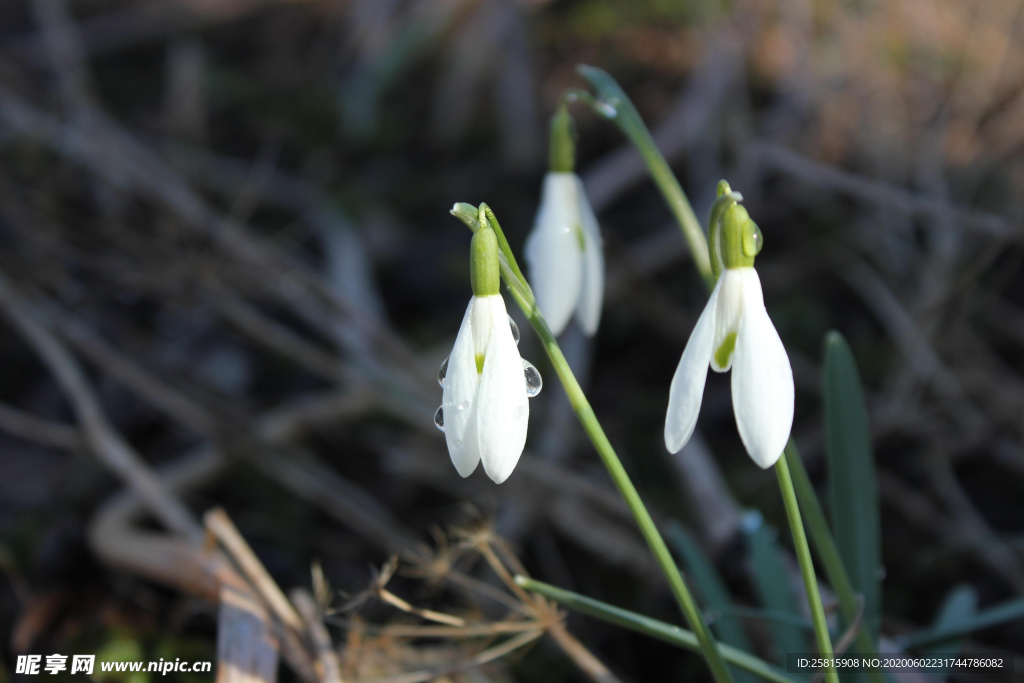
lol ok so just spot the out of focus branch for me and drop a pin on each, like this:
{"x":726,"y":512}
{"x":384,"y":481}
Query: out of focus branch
{"x":779,"y":158}
{"x":39,"y":430}
{"x":104,"y":441}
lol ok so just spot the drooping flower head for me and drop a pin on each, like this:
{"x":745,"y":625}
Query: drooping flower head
{"x":564,"y":251}
{"x":485,"y":409}
{"x":735,"y":333}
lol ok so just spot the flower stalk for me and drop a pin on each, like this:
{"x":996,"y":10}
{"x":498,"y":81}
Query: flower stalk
{"x":803,"y":556}
{"x":828,"y":553}
{"x":614,"y":105}
{"x":523,"y":295}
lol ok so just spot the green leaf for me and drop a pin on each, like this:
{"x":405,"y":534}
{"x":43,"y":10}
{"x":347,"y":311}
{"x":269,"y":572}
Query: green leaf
{"x":853,"y":487}
{"x":959,"y":607}
{"x":773,"y":586}
{"x":993,"y":616}
{"x":712,"y":590}
{"x":673,"y":635}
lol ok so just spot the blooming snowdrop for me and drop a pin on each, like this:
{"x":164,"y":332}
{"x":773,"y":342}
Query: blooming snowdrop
{"x":485,"y":409}
{"x":734,"y":332}
{"x":564,"y":251}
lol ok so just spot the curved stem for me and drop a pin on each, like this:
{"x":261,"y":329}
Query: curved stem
{"x":616,"y":106}
{"x":803,"y":556}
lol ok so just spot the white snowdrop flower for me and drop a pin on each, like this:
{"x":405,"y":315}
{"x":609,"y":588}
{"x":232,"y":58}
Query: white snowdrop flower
{"x":485,"y":408}
{"x":564,"y":251}
{"x":565,"y":255}
{"x":734,"y":332}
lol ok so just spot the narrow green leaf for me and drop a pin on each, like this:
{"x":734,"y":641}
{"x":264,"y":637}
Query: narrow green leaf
{"x":712,"y":590}
{"x":853,"y":487}
{"x":773,"y":586}
{"x":993,"y":616}
{"x":673,"y":635}
{"x":960,"y":606}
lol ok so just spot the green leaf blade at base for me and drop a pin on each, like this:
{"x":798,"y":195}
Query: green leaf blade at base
{"x":853,"y":487}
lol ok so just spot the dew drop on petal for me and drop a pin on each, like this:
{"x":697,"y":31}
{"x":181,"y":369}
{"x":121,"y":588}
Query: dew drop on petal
{"x":463,"y":405}
{"x":439,"y":418}
{"x":458,"y":442}
{"x":442,"y":371}
{"x":520,"y":411}
{"x":515,"y":332}
{"x":534,"y":383}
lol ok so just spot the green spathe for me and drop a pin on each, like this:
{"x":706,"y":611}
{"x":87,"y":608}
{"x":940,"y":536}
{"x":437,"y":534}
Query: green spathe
{"x":483,"y":263}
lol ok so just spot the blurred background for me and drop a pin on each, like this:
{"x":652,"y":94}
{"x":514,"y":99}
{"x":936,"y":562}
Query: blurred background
{"x":227,"y":257}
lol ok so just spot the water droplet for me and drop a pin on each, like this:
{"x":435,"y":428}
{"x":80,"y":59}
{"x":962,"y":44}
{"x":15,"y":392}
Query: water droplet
{"x":463,"y":405}
{"x":753,"y":240}
{"x":439,"y":418}
{"x":607,"y":109}
{"x":458,"y":442}
{"x":442,"y":371}
{"x":520,"y":411}
{"x":534,"y":382}
{"x":450,"y":401}
{"x":515,"y":330}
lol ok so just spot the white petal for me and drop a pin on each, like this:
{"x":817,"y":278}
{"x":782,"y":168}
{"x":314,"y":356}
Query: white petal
{"x":503,"y":408}
{"x":687,"y":388}
{"x":588,"y":310}
{"x":459,"y":399}
{"x":553,"y":250}
{"x":762,"y":382}
{"x":730,"y":311}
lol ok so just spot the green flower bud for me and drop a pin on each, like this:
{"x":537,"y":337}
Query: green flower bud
{"x":741,"y":239}
{"x":483,"y":263}
{"x":562,"y":150}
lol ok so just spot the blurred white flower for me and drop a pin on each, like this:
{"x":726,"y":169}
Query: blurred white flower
{"x":734,"y":331}
{"x":485,"y":408}
{"x":565,"y":255}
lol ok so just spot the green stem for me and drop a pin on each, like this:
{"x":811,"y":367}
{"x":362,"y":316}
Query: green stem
{"x":803,"y":556}
{"x":523,"y":295}
{"x":828,"y":553}
{"x":616,"y":106}
{"x":652,"y":627}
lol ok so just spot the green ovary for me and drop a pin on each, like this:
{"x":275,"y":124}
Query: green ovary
{"x":724,"y":352}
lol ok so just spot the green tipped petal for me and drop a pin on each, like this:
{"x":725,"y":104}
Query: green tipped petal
{"x":724,"y":352}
